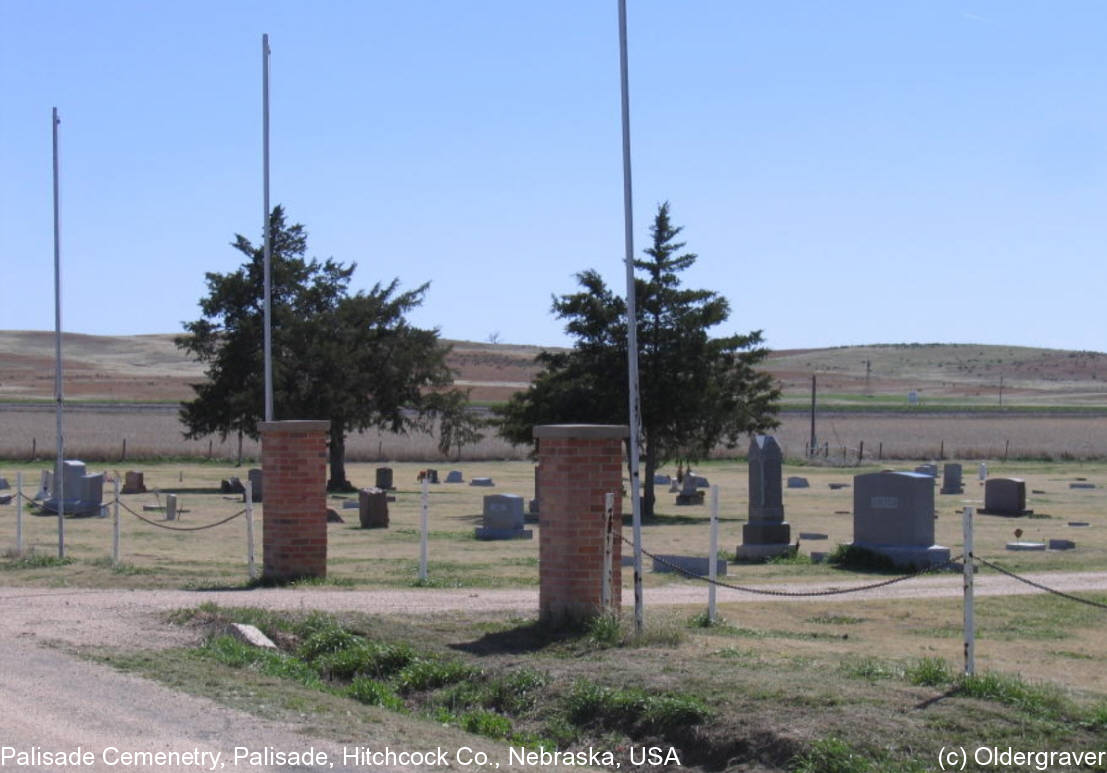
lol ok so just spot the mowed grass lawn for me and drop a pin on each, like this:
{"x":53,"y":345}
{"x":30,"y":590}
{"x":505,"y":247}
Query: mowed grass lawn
{"x":791,"y":685}
{"x":157,"y":557}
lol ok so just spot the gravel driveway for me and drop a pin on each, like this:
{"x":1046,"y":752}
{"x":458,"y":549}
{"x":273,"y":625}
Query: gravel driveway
{"x":53,"y":702}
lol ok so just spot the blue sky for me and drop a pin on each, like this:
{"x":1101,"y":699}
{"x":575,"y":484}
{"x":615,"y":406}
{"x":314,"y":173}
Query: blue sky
{"x":849,"y":173}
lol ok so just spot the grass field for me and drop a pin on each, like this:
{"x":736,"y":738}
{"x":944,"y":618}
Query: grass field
{"x":839,"y":684}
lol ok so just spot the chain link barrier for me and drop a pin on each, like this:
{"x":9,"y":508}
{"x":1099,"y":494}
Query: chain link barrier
{"x":179,"y":528}
{"x":1038,"y":585}
{"x":33,"y":501}
{"x":830,"y":592}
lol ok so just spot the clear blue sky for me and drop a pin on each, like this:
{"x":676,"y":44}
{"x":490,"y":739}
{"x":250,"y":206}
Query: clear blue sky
{"x":849,"y":173}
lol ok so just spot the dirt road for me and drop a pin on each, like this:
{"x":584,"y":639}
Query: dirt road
{"x":55,"y":703}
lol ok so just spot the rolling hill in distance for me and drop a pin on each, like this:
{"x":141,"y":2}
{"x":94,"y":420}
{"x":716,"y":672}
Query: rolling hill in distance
{"x":149,"y":368}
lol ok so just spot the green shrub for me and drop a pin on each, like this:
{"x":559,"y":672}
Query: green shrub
{"x":374,"y":693}
{"x":605,"y":630}
{"x":632,"y":710}
{"x":486,"y":723}
{"x":327,"y":639}
{"x":929,"y":672}
{"x":1037,"y":699}
{"x":860,"y":559}
{"x":428,"y":674}
{"x":516,"y":692}
{"x":374,"y":659}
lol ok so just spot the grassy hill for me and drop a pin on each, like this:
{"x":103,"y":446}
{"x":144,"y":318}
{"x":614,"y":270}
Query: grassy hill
{"x":150,"y":368}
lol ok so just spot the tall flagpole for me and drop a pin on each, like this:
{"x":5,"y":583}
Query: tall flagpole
{"x":265,"y":197}
{"x":59,"y":477}
{"x":632,"y":326}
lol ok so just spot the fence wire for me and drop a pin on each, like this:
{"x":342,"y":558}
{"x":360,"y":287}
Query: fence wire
{"x":830,"y":592}
{"x":179,"y":528}
{"x":1038,"y":585}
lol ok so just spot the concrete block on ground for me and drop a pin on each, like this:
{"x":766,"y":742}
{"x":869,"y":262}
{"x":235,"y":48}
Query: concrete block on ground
{"x":249,"y":634}
{"x":697,"y":565}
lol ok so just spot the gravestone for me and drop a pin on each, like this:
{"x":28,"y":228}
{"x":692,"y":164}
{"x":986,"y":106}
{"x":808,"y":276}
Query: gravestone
{"x":83,"y":492}
{"x":698,"y":480}
{"x":481,"y":482}
{"x":503,"y":518}
{"x":661,"y":480}
{"x":982,"y":471}
{"x":893,"y":515}
{"x":92,"y":493}
{"x":951,"y":479}
{"x":1005,"y":496}
{"x":232,"y":486}
{"x":1081,"y":485}
{"x":1025,"y":546}
{"x":454,"y":476}
{"x":795,"y":481}
{"x":766,"y":533}
{"x":384,"y":479}
{"x":1062,"y":544}
{"x":689,"y":494}
{"x":46,"y":486}
{"x":256,"y":477}
{"x":170,"y":507}
{"x":927,"y":469}
{"x":4,"y":484}
{"x":134,"y":482}
{"x":373,"y":508}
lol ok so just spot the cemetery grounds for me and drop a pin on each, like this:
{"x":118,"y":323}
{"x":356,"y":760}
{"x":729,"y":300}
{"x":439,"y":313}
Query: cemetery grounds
{"x":849,"y":682}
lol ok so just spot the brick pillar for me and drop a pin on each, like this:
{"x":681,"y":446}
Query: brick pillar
{"x":577,"y":465}
{"x":294,"y":514}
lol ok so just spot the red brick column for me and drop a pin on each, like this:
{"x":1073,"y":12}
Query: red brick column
{"x":294,"y":510}
{"x":577,"y":465}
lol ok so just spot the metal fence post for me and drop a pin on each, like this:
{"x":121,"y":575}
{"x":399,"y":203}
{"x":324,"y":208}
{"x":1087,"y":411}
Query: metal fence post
{"x":19,"y":513}
{"x":115,"y":524}
{"x":608,"y":547}
{"x":712,"y":555}
{"x":423,"y":528}
{"x":970,"y":633}
{"x":250,"y":529}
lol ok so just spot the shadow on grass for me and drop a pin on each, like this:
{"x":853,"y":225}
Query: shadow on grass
{"x":520,"y":640}
{"x":661,"y":519}
{"x":198,"y":490}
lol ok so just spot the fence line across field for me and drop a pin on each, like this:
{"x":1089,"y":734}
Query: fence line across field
{"x":116,"y":503}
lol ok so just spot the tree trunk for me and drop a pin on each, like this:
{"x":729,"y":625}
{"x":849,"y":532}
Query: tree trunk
{"x":337,"y":450}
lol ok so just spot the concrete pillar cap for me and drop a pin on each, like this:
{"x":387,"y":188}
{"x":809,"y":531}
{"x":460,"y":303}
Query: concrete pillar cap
{"x":295,"y":425}
{"x":582,"y":430}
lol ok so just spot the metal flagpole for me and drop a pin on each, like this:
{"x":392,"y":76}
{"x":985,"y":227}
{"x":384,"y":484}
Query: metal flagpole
{"x":265,"y":197}
{"x":59,"y":478}
{"x":632,"y":324}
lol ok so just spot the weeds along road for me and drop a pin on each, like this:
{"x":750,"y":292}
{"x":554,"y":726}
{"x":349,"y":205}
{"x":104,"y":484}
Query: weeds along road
{"x":54,"y":700}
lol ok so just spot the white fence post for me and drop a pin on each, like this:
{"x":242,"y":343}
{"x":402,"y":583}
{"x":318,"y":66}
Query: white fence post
{"x":424,"y":508}
{"x":712,"y":554}
{"x":970,"y":632}
{"x":115,"y":524}
{"x":19,"y":513}
{"x":608,"y":548}
{"x":250,"y":529}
